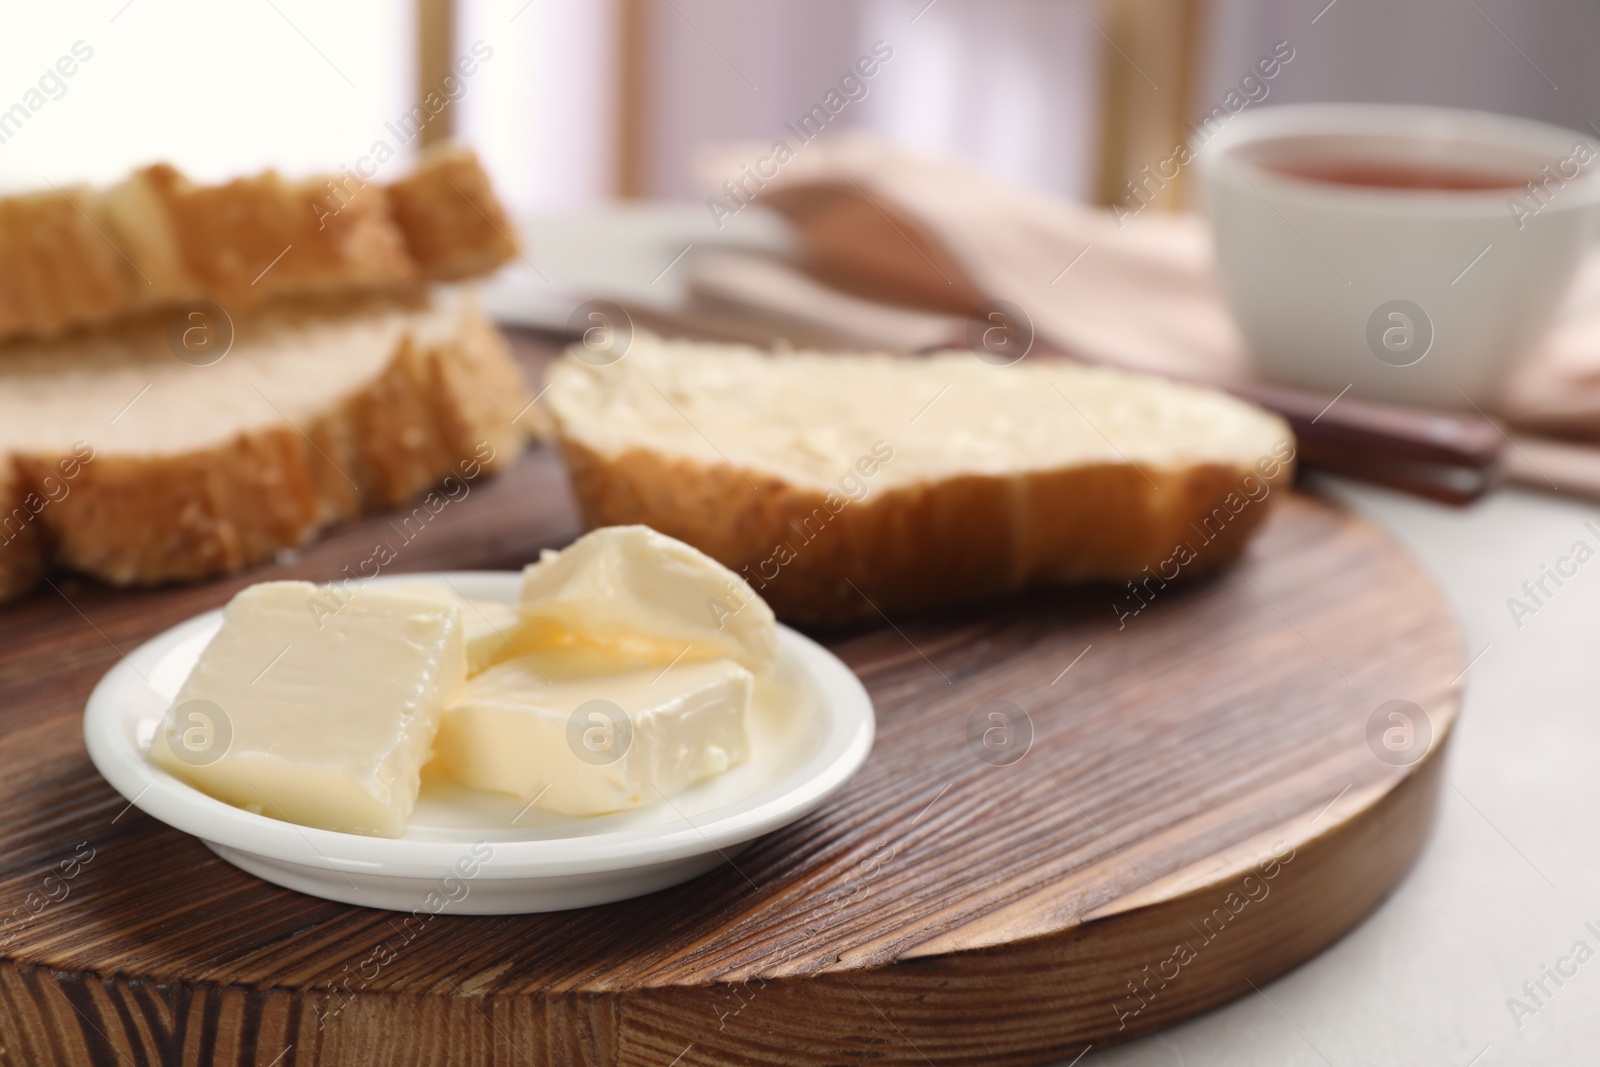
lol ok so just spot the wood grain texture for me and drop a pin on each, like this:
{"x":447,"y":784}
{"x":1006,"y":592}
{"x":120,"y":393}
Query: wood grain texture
{"x":941,"y":909}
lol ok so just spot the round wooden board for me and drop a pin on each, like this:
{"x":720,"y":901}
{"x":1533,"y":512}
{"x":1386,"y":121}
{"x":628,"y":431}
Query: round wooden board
{"x":1200,"y":809}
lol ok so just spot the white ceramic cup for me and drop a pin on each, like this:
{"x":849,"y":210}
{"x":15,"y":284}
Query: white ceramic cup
{"x":1415,"y":295}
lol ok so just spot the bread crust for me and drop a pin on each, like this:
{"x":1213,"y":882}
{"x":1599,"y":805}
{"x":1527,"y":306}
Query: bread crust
{"x":81,"y":257}
{"x":821,"y":560}
{"x":259,"y":237}
{"x":55,"y":270}
{"x":19,"y":538}
{"x":142,"y":519}
{"x":452,"y":221}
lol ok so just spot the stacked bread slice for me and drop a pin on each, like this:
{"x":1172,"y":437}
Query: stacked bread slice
{"x":194,"y":378}
{"x":75,"y":257}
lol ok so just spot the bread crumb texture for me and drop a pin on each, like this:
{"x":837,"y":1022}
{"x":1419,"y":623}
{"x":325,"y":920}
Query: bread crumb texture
{"x":122,"y":461}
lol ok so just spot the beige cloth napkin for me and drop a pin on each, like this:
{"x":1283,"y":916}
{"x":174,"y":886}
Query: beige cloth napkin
{"x":1141,"y":295}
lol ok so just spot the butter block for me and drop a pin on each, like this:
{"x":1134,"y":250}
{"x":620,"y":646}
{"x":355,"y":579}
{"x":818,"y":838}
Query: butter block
{"x":315,"y":710}
{"x":585,"y":746}
{"x":644,"y":598}
{"x":489,"y":625}
{"x":490,"y":628}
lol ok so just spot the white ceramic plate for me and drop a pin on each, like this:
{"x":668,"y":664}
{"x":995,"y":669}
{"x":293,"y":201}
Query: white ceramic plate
{"x":476,"y":853}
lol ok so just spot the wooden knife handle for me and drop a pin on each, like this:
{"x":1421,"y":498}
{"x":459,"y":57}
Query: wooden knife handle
{"x":1447,"y":456}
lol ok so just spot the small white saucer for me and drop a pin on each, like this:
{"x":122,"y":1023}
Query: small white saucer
{"x":474,"y":853}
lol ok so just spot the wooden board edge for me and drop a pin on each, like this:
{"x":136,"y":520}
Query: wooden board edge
{"x":1051,"y":996}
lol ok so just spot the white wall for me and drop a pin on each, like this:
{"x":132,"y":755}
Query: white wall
{"x":1525,"y":57}
{"x":1012,"y":85}
{"x":304,"y":85}
{"x":543,"y":115}
{"x":224,"y":89}
{"x":215,"y":88}
{"x":1009,"y":84}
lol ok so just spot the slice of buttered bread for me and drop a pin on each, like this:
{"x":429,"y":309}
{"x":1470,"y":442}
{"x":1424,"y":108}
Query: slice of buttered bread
{"x":121,"y":460}
{"x":845,"y":485}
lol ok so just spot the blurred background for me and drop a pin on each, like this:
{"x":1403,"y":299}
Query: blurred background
{"x":591,"y":116}
{"x":582,"y":101}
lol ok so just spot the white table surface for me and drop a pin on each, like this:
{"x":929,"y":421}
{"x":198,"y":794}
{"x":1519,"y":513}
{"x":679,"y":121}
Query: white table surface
{"x":1510,"y":876}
